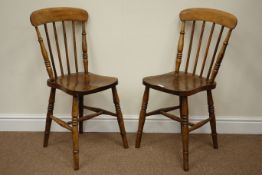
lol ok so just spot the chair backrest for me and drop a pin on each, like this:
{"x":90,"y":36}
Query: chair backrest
{"x":204,"y":16}
{"x":65,"y":18}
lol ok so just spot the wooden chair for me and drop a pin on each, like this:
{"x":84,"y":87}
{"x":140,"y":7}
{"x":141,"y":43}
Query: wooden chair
{"x":183,"y":83}
{"x":76,"y":84}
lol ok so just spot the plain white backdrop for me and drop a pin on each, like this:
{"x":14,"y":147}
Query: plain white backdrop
{"x":130,"y":39}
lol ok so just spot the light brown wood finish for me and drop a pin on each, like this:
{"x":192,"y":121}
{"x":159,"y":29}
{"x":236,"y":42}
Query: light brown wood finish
{"x":74,"y":42}
{"x":82,"y":83}
{"x":180,"y":47}
{"x":119,"y":116}
{"x":182,"y":84}
{"x":199,"y":46}
{"x":81,"y":113}
{"x":215,"y":52}
{"x":100,"y":110}
{"x":78,"y":83}
{"x":61,"y":123}
{"x":158,"y":111}
{"x":66,"y":48}
{"x":48,"y":116}
{"x":45,"y":56}
{"x":84,"y":47}
{"x":212,"y":118}
{"x":75,"y":136}
{"x":58,"y":49}
{"x":220,"y":57}
{"x":207,"y":49}
{"x":190,"y":45}
{"x":212,"y":15}
{"x":142,"y":117}
{"x":49,"y":15}
{"x":184,"y":130}
{"x":50,"y":50}
{"x":190,"y":82}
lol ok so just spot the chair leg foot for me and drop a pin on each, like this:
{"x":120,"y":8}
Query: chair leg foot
{"x":47,"y":131}
{"x":215,"y":144}
{"x":142,"y":117}
{"x":48,"y":119}
{"x":185,"y":132}
{"x":75,"y":134}
{"x":120,"y":119}
{"x":211,"y":111}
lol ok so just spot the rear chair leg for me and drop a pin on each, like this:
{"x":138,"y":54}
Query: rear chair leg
{"x":81,"y":113}
{"x":180,"y":110}
{"x":119,"y":117}
{"x":142,"y":117}
{"x":212,"y":118}
{"x":49,"y":113}
{"x":185,"y":131}
{"x":75,"y":134}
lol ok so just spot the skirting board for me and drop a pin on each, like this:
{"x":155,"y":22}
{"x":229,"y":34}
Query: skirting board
{"x":154,"y":124}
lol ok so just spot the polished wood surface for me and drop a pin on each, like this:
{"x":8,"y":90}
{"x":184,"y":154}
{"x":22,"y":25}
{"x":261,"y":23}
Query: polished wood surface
{"x":199,"y":46}
{"x":68,"y":76}
{"x":142,"y":117}
{"x":212,"y":118}
{"x":75,"y":136}
{"x":50,"y":110}
{"x":184,"y":130}
{"x":48,"y":15}
{"x":212,"y":15}
{"x":119,"y":116}
{"x":207,"y":49}
{"x":82,"y":83}
{"x":183,"y":84}
{"x":180,"y":47}
{"x":190,"y":45}
{"x":81,"y":113}
{"x":198,"y":74}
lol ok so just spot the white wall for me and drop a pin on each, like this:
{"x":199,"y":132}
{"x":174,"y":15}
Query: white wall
{"x":130,"y":39}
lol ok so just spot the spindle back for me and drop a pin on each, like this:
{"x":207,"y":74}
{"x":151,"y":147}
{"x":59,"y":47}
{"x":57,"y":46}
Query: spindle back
{"x":204,"y":16}
{"x":63,"y":17}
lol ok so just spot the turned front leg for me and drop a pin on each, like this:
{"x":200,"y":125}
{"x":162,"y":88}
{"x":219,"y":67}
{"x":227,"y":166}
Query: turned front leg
{"x":185,"y":131}
{"x":81,"y":113}
{"x":75,"y":134}
{"x":119,"y":115}
{"x":49,"y":113}
{"x":212,"y":117}
{"x":142,"y":117}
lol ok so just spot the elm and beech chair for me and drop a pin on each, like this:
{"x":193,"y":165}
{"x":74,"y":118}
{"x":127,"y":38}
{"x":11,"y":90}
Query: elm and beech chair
{"x":73,"y":81}
{"x":186,"y":82}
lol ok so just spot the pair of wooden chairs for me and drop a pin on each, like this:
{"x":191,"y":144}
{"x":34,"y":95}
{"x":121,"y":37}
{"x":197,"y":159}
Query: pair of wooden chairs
{"x":78,"y":83}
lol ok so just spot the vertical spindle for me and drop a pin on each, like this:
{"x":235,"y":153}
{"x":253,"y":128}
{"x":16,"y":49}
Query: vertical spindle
{"x":215,"y":51}
{"x":66,"y":48}
{"x":74,"y":43}
{"x":190,"y":45}
{"x":45,"y":55}
{"x":50,"y":49}
{"x":180,"y":47}
{"x":199,"y":46}
{"x":220,"y":56}
{"x":58,"y":50}
{"x":207,"y":49}
{"x":84,"y":48}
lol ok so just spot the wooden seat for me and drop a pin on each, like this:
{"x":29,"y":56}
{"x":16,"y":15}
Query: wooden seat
{"x":178,"y":83}
{"x":67,"y":74}
{"x":82,"y":83}
{"x":198,"y":73}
